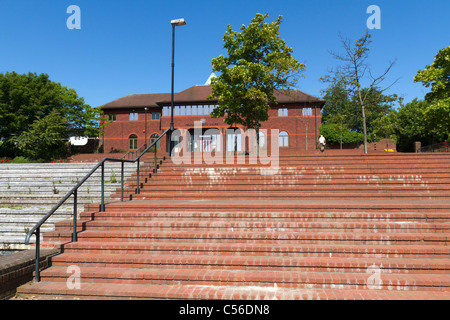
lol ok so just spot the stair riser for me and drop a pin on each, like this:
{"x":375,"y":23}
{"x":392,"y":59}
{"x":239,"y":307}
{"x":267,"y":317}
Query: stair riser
{"x":204,"y":264}
{"x":296,"y":283}
{"x":261,"y":227}
{"x":326,"y":239}
{"x":166,"y":217}
{"x":298,"y":254}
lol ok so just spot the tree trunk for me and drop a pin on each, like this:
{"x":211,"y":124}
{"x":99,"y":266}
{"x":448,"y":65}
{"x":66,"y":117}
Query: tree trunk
{"x":257,"y":133}
{"x":364,"y":127}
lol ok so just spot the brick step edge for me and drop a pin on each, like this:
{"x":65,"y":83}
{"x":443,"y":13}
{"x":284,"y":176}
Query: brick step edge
{"x":258,"y":226}
{"x":263,"y":278}
{"x":208,"y":292}
{"x":342,"y":265}
{"x":374,"y":251}
{"x":261,"y":237}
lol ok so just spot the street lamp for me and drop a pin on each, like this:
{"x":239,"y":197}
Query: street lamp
{"x":175,"y":23}
{"x":145,"y":130}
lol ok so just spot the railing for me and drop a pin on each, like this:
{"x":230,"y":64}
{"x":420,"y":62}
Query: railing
{"x":437,"y":147}
{"x":132,"y":152}
{"x":74,"y":192}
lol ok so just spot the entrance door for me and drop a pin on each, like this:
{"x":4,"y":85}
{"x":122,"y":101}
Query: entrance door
{"x":234,"y":140}
{"x":208,"y":141}
{"x":204,"y":143}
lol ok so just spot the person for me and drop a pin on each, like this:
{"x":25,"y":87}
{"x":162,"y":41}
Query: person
{"x":322,"y":143}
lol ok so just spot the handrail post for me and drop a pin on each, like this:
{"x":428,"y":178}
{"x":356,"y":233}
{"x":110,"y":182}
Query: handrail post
{"x":137,"y":187}
{"x":121,"y":182}
{"x":74,"y":191}
{"x":74,"y":235}
{"x":38,"y":253}
{"x":156,"y":169}
{"x":102,"y":206}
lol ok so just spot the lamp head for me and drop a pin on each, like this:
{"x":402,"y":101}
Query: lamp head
{"x":178,"y":22}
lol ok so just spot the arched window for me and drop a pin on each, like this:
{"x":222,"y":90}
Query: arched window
{"x":283,"y":139}
{"x":133,"y":142}
{"x":153,"y":138}
{"x":262,"y":139}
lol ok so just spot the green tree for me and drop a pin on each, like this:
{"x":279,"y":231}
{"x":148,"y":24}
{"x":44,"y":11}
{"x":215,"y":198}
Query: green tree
{"x":335,"y":134}
{"x":437,"y":76}
{"x":340,"y":103}
{"x":27,"y":98}
{"x":406,"y":125}
{"x":354,"y":72}
{"x":339,"y":119}
{"x":258,"y":62}
{"x":47,"y":138}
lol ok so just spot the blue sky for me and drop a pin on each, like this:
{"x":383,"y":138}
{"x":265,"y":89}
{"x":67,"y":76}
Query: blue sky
{"x":124,"y":47}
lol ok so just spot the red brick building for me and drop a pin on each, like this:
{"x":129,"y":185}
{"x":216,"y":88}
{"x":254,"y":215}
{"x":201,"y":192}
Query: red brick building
{"x":134,"y":118}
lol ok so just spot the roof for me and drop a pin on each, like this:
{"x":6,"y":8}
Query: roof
{"x":199,"y":94}
{"x":137,"y":100}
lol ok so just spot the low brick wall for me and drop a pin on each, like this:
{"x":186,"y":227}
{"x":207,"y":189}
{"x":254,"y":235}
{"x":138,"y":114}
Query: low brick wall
{"x":18,"y":268}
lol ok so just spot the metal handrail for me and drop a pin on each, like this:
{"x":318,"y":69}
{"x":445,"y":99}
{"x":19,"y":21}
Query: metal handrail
{"x":134,"y":151}
{"x":440,"y":147}
{"x":74,"y":191}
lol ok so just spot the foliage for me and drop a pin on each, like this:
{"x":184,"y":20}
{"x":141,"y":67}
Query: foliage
{"x":339,"y":102}
{"x":258,"y":62}
{"x":437,"y":75}
{"x":353,"y":71}
{"x":405,"y":126}
{"x":29,"y":102}
{"x":46,"y":139}
{"x":21,"y":160}
{"x":334,"y":133}
{"x":385,"y":127}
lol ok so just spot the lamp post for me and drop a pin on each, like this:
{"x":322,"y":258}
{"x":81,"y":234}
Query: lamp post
{"x":175,"y":23}
{"x":145,"y":130}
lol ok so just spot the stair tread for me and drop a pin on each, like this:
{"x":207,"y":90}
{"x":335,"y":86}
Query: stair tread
{"x":258,"y":247}
{"x":224,"y":292}
{"x":435,"y":263}
{"x":319,"y":227}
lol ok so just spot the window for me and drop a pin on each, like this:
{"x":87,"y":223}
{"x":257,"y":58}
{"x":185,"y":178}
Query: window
{"x":283,"y":139}
{"x":165,"y":111}
{"x":112,"y":117}
{"x":282,"y":112}
{"x":153,"y":138}
{"x":307,"y":112}
{"x":176,"y":111}
{"x":134,"y":116}
{"x":182,"y":110}
{"x":188,"y":110}
{"x":194,"y":110}
{"x":133,"y":142}
{"x":262,"y":139}
{"x":155,"y":115}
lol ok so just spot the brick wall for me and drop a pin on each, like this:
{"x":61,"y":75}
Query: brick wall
{"x":303,"y":130}
{"x":18,"y":268}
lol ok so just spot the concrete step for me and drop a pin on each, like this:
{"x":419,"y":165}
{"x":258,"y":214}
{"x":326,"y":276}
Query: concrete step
{"x":298,"y":264}
{"x":264,"y":215}
{"x":264,"y":278}
{"x":260,"y":249}
{"x":306,"y":237}
{"x":59,"y":290}
{"x":261,"y":226}
{"x":360,"y":227}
